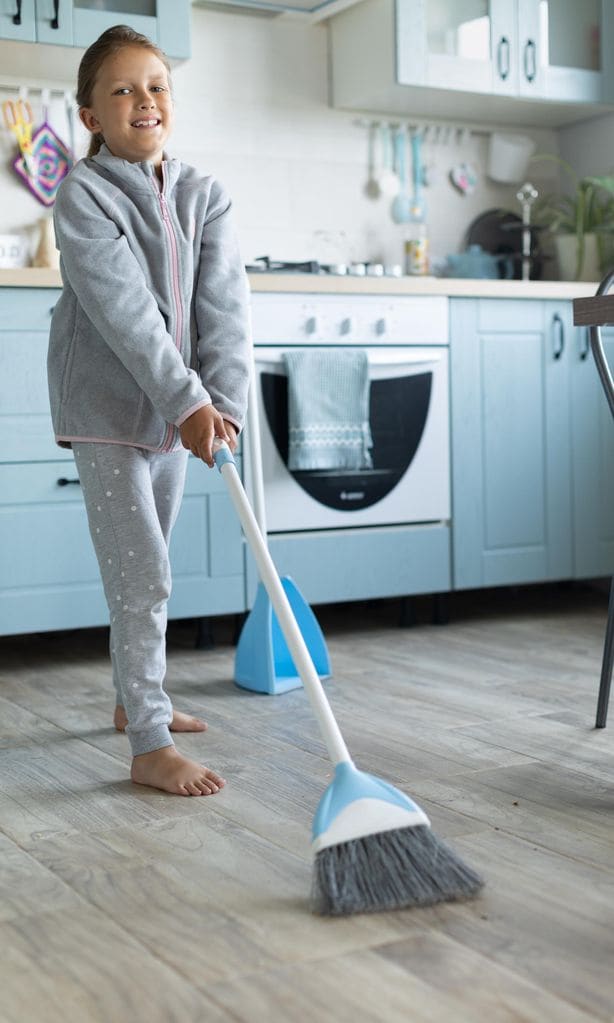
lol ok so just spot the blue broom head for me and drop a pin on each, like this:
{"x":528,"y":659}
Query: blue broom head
{"x":375,"y":850}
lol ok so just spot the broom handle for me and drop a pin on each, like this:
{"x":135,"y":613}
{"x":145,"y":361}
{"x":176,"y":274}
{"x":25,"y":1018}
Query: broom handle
{"x":255,"y":451}
{"x":337,"y":750}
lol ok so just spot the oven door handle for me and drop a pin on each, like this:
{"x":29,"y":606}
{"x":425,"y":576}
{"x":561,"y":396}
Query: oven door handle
{"x":267,"y":360}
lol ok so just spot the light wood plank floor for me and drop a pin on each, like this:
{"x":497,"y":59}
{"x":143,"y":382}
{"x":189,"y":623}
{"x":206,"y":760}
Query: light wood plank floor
{"x":120,"y":903}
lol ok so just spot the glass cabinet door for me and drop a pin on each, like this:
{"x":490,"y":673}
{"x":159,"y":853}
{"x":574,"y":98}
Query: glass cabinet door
{"x":560,"y":49}
{"x":457,"y":44}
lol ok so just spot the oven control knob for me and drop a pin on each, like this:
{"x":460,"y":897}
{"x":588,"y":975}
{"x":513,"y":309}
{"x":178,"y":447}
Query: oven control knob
{"x":346,"y":326}
{"x":311,"y":325}
{"x":380,"y":326}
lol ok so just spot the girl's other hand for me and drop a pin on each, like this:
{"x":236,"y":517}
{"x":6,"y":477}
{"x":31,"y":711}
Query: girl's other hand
{"x":199,"y":429}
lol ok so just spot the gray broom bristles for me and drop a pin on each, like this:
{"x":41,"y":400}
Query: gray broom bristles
{"x":389,"y":870}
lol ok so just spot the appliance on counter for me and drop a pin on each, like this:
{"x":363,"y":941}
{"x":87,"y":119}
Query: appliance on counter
{"x":499,"y":232}
{"x":406,"y":340}
{"x":264,"y":264}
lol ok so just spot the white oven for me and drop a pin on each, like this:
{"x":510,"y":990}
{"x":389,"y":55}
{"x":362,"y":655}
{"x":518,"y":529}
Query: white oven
{"x":406,"y":341}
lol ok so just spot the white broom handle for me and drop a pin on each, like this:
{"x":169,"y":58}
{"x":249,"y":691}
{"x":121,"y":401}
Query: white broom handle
{"x":337,"y":750}
{"x":255,"y":451}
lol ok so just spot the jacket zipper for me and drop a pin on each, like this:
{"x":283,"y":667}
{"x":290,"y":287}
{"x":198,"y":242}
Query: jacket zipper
{"x":167,"y":442}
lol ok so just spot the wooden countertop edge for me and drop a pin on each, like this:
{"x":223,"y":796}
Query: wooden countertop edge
{"x":43,"y":277}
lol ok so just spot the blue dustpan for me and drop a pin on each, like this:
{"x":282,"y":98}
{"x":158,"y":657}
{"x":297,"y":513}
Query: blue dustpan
{"x":263,"y":661}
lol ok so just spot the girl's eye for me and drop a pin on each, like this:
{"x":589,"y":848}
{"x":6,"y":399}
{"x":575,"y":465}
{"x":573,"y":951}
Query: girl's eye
{"x":120,"y":92}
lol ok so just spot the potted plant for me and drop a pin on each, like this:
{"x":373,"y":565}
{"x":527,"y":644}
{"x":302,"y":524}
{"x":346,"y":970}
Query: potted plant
{"x":582,"y":224}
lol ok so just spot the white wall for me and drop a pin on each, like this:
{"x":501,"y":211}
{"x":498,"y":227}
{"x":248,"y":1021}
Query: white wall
{"x":252,"y":108}
{"x":589,"y":146}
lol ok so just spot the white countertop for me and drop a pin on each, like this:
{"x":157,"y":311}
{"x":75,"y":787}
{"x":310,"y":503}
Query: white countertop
{"x":34,"y":277}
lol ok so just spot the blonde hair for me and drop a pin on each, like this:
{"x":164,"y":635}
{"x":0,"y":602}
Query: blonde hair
{"x":114,"y":39}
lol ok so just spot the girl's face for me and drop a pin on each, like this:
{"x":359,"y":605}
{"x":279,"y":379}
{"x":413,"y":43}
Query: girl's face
{"x":132,"y":105}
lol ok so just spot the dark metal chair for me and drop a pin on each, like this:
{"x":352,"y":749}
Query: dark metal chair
{"x":594,"y":313}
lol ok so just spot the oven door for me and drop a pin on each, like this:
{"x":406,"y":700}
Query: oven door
{"x":408,"y":413}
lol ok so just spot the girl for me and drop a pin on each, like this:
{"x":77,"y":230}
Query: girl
{"x":149,"y":355}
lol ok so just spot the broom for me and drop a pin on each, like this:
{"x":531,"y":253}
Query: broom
{"x":374,"y":848}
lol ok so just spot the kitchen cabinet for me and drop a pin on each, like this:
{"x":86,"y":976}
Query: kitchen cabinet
{"x":78,"y":23}
{"x":544,"y":49}
{"x":434,"y":58}
{"x":48,"y":572}
{"x":592,"y":460}
{"x":533,"y":498}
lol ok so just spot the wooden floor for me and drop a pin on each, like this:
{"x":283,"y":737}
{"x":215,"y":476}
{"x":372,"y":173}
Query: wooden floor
{"x":120,"y":903}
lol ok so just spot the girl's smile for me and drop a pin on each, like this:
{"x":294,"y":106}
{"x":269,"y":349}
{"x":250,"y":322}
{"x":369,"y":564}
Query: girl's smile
{"x":132,"y":106}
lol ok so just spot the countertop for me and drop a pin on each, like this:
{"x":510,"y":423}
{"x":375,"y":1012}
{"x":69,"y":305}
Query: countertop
{"x":33,"y":277}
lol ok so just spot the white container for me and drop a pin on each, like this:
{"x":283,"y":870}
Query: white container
{"x":508,"y":157}
{"x":13,"y":251}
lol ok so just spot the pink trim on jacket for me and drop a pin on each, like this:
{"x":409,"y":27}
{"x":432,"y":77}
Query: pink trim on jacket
{"x":192,"y":410}
{"x":125,"y":443}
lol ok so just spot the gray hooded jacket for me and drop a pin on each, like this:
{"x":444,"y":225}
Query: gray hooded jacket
{"x":153,"y":319}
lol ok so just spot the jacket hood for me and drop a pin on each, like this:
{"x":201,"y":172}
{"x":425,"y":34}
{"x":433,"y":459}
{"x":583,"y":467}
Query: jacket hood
{"x":136,"y":175}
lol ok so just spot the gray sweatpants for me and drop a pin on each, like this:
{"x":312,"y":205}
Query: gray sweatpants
{"x":132,"y":497}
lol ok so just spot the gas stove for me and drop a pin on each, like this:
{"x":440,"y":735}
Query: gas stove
{"x":264,"y":264}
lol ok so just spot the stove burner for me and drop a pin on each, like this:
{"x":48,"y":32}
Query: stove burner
{"x":267,"y":265}
{"x":264,"y":264}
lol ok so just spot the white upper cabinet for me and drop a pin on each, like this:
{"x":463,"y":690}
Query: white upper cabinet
{"x":406,"y":55}
{"x":560,"y":49}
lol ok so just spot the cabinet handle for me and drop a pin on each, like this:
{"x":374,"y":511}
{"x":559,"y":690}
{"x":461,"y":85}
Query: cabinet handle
{"x":503,"y":49}
{"x":530,"y":60}
{"x":586,"y":347}
{"x":17,"y":15}
{"x":63,"y":482}
{"x":55,"y":21}
{"x":558,"y":323}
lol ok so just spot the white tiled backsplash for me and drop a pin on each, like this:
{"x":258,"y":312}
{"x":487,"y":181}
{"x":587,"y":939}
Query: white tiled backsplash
{"x":252,"y":108}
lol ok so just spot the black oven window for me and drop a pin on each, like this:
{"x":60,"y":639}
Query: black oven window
{"x":398,"y":409}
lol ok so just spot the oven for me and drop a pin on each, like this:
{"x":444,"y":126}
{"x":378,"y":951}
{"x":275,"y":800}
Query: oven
{"x":406,"y":342}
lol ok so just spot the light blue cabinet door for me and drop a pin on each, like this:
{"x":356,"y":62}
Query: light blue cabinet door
{"x":593,"y":462}
{"x":510,"y":423}
{"x":26,"y":433}
{"x":54,"y":26}
{"x":174,"y":28}
{"x":16,"y":24}
{"x":88,"y":23}
{"x":165,"y":22}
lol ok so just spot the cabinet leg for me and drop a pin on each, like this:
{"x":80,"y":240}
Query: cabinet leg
{"x":407,"y":613}
{"x":441,"y":609}
{"x":204,"y":634}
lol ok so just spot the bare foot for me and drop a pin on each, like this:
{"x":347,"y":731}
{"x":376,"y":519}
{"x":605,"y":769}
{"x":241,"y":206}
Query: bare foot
{"x":167,"y":769}
{"x":181,"y":722}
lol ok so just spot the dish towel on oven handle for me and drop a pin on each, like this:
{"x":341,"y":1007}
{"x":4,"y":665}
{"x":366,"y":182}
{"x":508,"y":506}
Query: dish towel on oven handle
{"x":328,"y":409}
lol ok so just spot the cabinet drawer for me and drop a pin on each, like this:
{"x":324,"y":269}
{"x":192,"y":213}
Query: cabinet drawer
{"x":44,"y":537}
{"x":28,"y":308}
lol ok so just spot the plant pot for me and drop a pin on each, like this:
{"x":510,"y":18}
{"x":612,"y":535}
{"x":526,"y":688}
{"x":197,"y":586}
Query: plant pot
{"x":566,"y":246}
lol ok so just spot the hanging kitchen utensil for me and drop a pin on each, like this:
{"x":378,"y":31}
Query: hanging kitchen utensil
{"x":417,"y":201}
{"x":18,"y":119}
{"x":372,"y":187}
{"x":400,"y":210}
{"x":263,"y":661}
{"x":387,"y":178}
{"x":53,"y":160}
{"x":464,"y":178}
{"x":69,"y":107}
